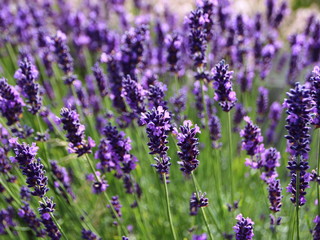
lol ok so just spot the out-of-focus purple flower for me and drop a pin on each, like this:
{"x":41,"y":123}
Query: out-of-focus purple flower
{"x":252,"y":140}
{"x":315,"y":81}
{"x":188,"y":144}
{"x":173,"y":44}
{"x":239,"y":114}
{"x":6,"y":220}
{"x":10,"y":102}
{"x":63,"y":55}
{"x":81,"y":94}
{"x":88,"y":235}
{"x":156,"y":94}
{"x":75,"y":132}
{"x":116,"y":206}
{"x":280,"y":14}
{"x":262,"y":103}
{"x":132,"y":49}
{"x":274,"y":115}
{"x":275,"y":196}
{"x":316,"y":230}
{"x":25,"y":193}
{"x":198,"y":92}
{"x":197,"y":201}
{"x":61,"y":174}
{"x":243,"y":228}
{"x":267,"y":54}
{"x":134,"y":94}
{"x":47,"y":207}
{"x":245,"y":79}
{"x":202,"y":236}
{"x":101,"y":79}
{"x":223,"y":86}
{"x":26,"y":76}
{"x":178,"y":102}
{"x":29,"y":216}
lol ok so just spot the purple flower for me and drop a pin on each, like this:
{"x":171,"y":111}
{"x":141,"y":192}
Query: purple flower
{"x":262,"y":103}
{"x":188,"y":144}
{"x":6,"y":220}
{"x":269,"y":161}
{"x":274,"y":116}
{"x":10,"y":102}
{"x":99,"y":185}
{"x":197,"y":201}
{"x":101,"y":79}
{"x":134,"y":94}
{"x":316,"y":230}
{"x":178,"y":102}
{"x":75,"y":132}
{"x":245,"y":79}
{"x":156,"y":94}
{"x":63,"y":55}
{"x":198,"y":91}
{"x":223,"y":86}
{"x":299,"y":106}
{"x":315,"y":81}
{"x":88,"y":235}
{"x":25,"y":154}
{"x":275,"y":196}
{"x":239,"y":114}
{"x":25,"y":193}
{"x":29,"y":216}
{"x":47,"y":207}
{"x":203,"y":236}
{"x":243,"y":228}
{"x":26,"y":76}
{"x":173,"y":44}
{"x":116,"y":206}
{"x":252,"y":140}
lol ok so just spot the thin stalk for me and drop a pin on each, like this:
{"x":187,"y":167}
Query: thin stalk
{"x":202,"y":210}
{"x":168,"y":207}
{"x":318,"y":171}
{"x":297,"y":198}
{"x":230,"y":156}
{"x":106,"y":196}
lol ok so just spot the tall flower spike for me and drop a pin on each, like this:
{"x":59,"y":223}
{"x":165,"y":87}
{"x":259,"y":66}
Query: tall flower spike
{"x":64,"y":58}
{"x":75,"y":132}
{"x":269,"y":161}
{"x":101,"y":79}
{"x":10,"y":102}
{"x":26,"y":76}
{"x":243,"y":228}
{"x":173,"y":44}
{"x":262,"y":103}
{"x":274,"y":115}
{"x":88,"y":235}
{"x":188,"y":144}
{"x":275,"y":196}
{"x":315,"y":81}
{"x":223,"y":86}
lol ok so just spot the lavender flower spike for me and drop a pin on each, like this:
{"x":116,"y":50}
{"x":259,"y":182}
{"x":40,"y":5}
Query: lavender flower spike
{"x":75,"y":132}
{"x":275,"y":194}
{"x":244,"y":228}
{"x":223,"y":86}
{"x":197,"y":202}
{"x":315,"y":81}
{"x":188,"y":144}
{"x":26,"y":77}
{"x":10,"y":102}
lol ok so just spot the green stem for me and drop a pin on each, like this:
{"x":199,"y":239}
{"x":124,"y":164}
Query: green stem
{"x":202,"y":210}
{"x":230,"y":156}
{"x":297,"y":197}
{"x":168,"y":207}
{"x":106,"y":196}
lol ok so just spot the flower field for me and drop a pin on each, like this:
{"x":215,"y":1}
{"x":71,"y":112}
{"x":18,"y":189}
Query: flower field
{"x":123,"y":120}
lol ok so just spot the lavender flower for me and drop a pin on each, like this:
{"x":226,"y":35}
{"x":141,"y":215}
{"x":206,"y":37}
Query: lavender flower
{"x":101,"y":79}
{"x":62,"y":176}
{"x":63,"y":55}
{"x":239,"y":114}
{"x":134,"y":94}
{"x":245,"y":79}
{"x":6,"y":220}
{"x":29,"y":216}
{"x":75,"y":132}
{"x":223,"y":86}
{"x":25,"y":193}
{"x":10,"y":102}
{"x":315,"y":81}
{"x":88,"y":235}
{"x":196,"y":202}
{"x":275,"y":196}
{"x":47,"y":207}
{"x":262,"y":103}
{"x":316,"y":231}
{"x":156,"y":94}
{"x":203,"y":236}
{"x":252,"y":139}
{"x":173,"y":44}
{"x":116,"y":206}
{"x":243,"y":228}
{"x":99,"y":184}
{"x":269,"y":161}
{"x":274,"y":115}
{"x":25,"y":154}
{"x":188,"y":144}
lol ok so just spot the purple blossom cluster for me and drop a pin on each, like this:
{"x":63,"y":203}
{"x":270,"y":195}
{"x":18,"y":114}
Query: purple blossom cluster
{"x":197,"y":201}
{"x":188,"y":144}
{"x":243,"y":228}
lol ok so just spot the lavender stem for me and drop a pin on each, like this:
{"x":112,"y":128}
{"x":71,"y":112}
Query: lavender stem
{"x":230,"y":155}
{"x":168,"y":207}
